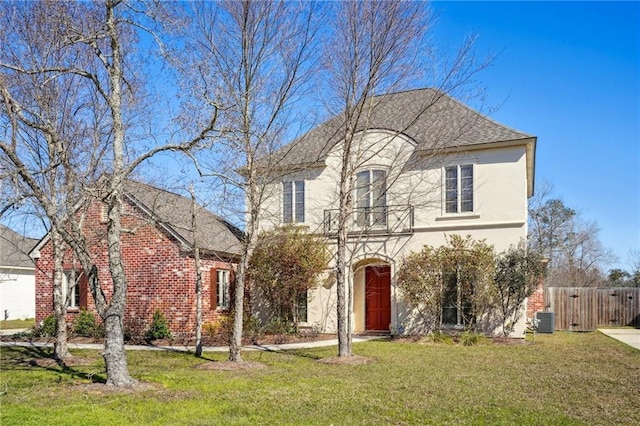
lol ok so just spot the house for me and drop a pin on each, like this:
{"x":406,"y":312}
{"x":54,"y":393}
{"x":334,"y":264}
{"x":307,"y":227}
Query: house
{"x":17,"y":276}
{"x":157,"y":247}
{"x":424,"y":166}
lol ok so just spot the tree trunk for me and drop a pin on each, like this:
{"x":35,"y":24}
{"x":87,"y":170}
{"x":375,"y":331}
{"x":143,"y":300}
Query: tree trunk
{"x":60,"y":347}
{"x":344,"y":332}
{"x":114,"y":352}
{"x":235,"y":346}
{"x":114,"y":355}
{"x":196,"y":259}
{"x":198,"y":303}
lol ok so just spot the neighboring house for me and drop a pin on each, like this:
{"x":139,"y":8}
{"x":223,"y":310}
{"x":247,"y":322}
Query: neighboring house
{"x":17,"y":280}
{"x":157,"y":247}
{"x":418,"y":177}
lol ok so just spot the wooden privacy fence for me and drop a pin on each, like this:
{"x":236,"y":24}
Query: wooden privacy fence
{"x":585,"y":308}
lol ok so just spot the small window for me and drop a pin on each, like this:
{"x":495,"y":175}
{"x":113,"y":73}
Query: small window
{"x":223,"y":288}
{"x":293,"y":201}
{"x":71,"y":288}
{"x":458,"y":191}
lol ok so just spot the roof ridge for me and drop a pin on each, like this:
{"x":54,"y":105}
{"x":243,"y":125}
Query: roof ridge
{"x":485,"y":116}
{"x":198,"y":205}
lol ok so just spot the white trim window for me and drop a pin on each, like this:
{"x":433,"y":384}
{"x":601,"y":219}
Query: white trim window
{"x":458,"y":189}
{"x":223,"y":288}
{"x":70,"y":288}
{"x":293,"y":201}
{"x":371,"y":198}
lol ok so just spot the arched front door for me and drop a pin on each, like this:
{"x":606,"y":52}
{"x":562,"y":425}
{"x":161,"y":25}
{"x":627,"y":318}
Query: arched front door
{"x":378,"y":298}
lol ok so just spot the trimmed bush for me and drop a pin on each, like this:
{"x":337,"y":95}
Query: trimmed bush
{"x":48,"y":327}
{"x":159,"y":328}
{"x":84,"y":324}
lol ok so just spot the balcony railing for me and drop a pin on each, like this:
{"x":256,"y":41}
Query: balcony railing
{"x":385,"y":220}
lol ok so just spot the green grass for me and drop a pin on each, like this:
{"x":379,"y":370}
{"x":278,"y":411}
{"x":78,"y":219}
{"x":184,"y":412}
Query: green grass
{"x":11,"y":324}
{"x":564,"y":378}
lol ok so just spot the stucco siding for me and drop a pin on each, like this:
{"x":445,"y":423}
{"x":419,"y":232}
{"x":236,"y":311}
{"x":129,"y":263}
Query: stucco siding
{"x":499,"y":212}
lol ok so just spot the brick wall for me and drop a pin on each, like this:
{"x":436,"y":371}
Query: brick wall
{"x":159,"y":275}
{"x":535,"y":302}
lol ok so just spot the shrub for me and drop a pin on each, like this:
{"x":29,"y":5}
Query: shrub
{"x":84,"y":324}
{"x":251,"y":329}
{"x":98,"y":331}
{"x":211,"y":329}
{"x":48,"y":327}
{"x":277,"y":325}
{"x":518,"y":272}
{"x":449,"y":284}
{"x":223,"y":329}
{"x":469,"y":338}
{"x":437,"y":337}
{"x":285,"y":265}
{"x":159,"y":328}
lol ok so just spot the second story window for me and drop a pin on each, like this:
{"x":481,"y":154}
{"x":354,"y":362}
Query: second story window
{"x":458,"y":190}
{"x":293,"y":202}
{"x":371,"y":198}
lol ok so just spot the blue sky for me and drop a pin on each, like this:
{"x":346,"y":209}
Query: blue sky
{"x":569,"y":73}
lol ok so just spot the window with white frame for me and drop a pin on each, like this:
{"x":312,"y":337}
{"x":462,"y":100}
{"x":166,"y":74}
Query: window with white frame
{"x":371,"y":198}
{"x":458,"y":191}
{"x":223,"y":288}
{"x":293,"y":201}
{"x":71,"y":289}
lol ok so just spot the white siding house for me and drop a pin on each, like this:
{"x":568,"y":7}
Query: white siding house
{"x":424,"y":166}
{"x":17,"y":276}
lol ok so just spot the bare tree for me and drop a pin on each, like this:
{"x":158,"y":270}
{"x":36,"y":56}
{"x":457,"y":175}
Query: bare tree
{"x":250,"y":58}
{"x":576,"y":254}
{"x":99,"y":42}
{"x":377,"y":48}
{"x":634,"y":264}
{"x":49,"y":149}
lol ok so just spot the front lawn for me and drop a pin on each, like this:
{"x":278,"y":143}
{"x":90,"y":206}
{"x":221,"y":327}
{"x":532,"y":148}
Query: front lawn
{"x":564,"y":378}
{"x":13,"y":324}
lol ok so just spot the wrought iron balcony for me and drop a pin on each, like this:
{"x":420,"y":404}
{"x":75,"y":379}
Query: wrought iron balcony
{"x":385,"y":220}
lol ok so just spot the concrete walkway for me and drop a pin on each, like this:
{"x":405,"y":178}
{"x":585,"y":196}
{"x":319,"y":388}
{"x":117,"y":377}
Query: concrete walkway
{"x":269,"y":348}
{"x":630,"y":336}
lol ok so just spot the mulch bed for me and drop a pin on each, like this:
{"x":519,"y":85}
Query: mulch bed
{"x":75,"y":361}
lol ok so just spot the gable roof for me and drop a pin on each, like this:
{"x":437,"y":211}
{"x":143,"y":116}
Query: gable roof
{"x":14,"y":249}
{"x":173,"y":213}
{"x":431,"y":118}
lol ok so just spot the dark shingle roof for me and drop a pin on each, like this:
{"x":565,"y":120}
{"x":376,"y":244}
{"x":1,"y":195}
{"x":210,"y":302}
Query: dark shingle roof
{"x":431,"y":118}
{"x":14,"y":249}
{"x":173,"y":211}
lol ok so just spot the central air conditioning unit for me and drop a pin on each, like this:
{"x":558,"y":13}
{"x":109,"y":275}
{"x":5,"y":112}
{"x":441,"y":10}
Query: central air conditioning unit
{"x":546,"y":322}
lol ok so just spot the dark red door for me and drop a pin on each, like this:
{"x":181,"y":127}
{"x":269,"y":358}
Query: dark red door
{"x":378,"y":298}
